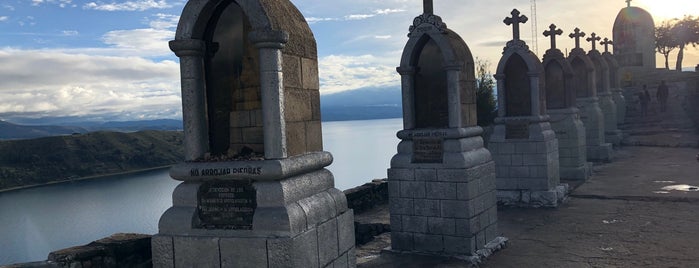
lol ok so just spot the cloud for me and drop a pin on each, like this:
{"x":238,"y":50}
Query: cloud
{"x":153,"y":42}
{"x":4,"y":18}
{"x":55,"y":83}
{"x":342,"y":72}
{"x":60,"y":3}
{"x":70,"y":33}
{"x":141,"y":5}
{"x":355,"y":16}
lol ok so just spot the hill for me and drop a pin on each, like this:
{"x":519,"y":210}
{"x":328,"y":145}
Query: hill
{"x":362,"y":104}
{"x":10,"y":131}
{"x":61,"y":158}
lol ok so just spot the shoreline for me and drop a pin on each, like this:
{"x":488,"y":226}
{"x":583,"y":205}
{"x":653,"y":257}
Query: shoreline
{"x":92,"y":177}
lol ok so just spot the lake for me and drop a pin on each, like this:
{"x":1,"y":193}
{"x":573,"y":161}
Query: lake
{"x":39,"y":220}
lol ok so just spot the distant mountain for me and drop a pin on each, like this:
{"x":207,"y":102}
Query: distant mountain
{"x":60,"y":158}
{"x":362,"y":104}
{"x":157,"y":124}
{"x":13,"y":131}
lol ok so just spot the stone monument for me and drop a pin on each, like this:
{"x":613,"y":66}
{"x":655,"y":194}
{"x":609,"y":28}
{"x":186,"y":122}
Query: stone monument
{"x":442,"y":180}
{"x":523,"y":144}
{"x":615,"y":82}
{"x":634,"y":35}
{"x":561,"y":107}
{"x":606,"y":102}
{"x":588,"y":103}
{"x":254,"y":189}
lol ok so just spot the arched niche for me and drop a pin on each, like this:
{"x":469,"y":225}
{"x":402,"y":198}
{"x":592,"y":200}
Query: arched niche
{"x":601,"y":70}
{"x":580,"y":80}
{"x":257,"y":61}
{"x":430,"y":101}
{"x":518,"y":98}
{"x":232,"y":83}
{"x":438,"y":79}
{"x":555,"y":86}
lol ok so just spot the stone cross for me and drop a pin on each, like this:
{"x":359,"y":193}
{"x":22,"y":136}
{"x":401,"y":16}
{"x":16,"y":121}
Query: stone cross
{"x":606,"y":44}
{"x":593,"y":39}
{"x":428,"y":7}
{"x":577,"y":34}
{"x":628,"y":3}
{"x":515,"y":20}
{"x":553,"y":32}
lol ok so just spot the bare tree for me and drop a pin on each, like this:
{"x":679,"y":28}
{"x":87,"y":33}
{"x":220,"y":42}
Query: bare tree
{"x":686,"y":32}
{"x":665,"y":41}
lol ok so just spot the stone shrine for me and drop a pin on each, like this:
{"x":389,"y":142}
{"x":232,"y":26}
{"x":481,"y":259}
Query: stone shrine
{"x":634,"y":35}
{"x":523,"y":144}
{"x":254,"y":189}
{"x":587,"y":101}
{"x":561,"y":107}
{"x":442,"y":180}
{"x":606,"y":102}
{"x":615,"y":82}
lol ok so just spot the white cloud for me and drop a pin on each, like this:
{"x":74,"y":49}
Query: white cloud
{"x":164,"y":21}
{"x":4,"y":18}
{"x":356,"y":16}
{"x":383,"y":36}
{"x":341,"y":72}
{"x":146,"y":42}
{"x":60,"y":3}
{"x":8,"y":7}
{"x":140,"y":5}
{"x":70,"y":33}
{"x":55,"y":83}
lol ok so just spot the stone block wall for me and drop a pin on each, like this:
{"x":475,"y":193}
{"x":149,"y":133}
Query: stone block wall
{"x":450,"y":211}
{"x":591,"y":116}
{"x":609,"y":110}
{"x":302,"y":104}
{"x":572,"y":146}
{"x":527,"y":165}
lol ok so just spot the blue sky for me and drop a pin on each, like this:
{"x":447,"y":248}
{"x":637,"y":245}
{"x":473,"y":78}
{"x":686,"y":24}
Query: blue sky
{"x":108,"y":59}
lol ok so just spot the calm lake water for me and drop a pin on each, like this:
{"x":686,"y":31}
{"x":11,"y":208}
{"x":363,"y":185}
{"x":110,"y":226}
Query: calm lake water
{"x":36,"y":221}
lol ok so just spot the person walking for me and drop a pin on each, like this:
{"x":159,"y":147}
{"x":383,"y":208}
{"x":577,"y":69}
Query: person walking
{"x":662,"y":95}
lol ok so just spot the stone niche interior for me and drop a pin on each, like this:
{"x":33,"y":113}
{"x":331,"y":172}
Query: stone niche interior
{"x":431,"y":107}
{"x":517,"y":93}
{"x":233,"y":90}
{"x":580,"y":80}
{"x":555,"y":85}
{"x":234,"y":109}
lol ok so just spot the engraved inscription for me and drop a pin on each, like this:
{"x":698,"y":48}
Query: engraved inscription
{"x":516,"y":131}
{"x":427,"y":150}
{"x":226,"y":205}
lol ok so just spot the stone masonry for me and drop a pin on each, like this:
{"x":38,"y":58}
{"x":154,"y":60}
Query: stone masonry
{"x":254,"y":191}
{"x":606,"y":102}
{"x":588,"y":103}
{"x":565,"y":116}
{"x":524,"y":146}
{"x":442,"y":196}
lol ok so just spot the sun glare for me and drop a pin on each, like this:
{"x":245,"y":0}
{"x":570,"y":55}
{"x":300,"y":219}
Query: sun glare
{"x":668,"y":9}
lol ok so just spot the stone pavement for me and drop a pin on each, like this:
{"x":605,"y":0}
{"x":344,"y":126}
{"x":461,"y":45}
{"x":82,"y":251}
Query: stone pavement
{"x":622,"y":217}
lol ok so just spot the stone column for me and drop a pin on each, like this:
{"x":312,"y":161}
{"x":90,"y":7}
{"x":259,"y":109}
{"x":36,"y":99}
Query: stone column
{"x":270,"y":44}
{"x":407,"y":75}
{"x":191,"y":54}
{"x":453,"y":69}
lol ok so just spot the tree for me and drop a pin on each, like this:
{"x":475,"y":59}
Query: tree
{"x":485,"y":100}
{"x":686,"y":32}
{"x":665,"y":41}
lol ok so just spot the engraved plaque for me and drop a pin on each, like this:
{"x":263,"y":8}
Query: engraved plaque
{"x":427,"y":150}
{"x":516,"y":131}
{"x":226,"y":205}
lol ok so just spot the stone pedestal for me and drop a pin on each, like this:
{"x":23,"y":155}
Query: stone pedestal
{"x":572,"y":145}
{"x":526,"y":152}
{"x":267,"y":213}
{"x":591,"y":116}
{"x":611,"y":130}
{"x":620,"y":101}
{"x":442,"y":192}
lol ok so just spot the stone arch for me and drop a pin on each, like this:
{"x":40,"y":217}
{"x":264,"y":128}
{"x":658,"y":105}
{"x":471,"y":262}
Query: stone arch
{"x":555,"y":86}
{"x":451,"y":63}
{"x":584,"y":75}
{"x":518,"y":87}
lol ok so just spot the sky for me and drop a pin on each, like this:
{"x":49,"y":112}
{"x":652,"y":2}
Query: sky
{"x":109,"y":59}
